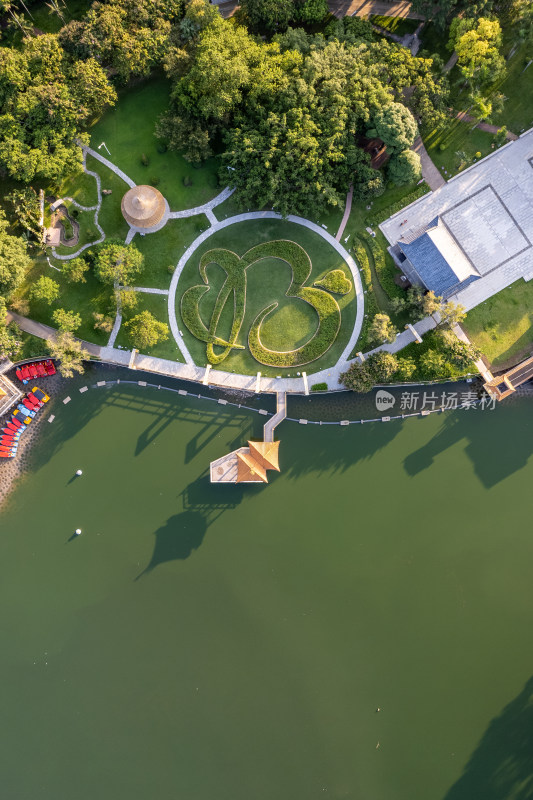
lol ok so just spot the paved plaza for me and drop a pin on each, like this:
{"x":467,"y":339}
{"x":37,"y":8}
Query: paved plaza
{"x":488,"y":211}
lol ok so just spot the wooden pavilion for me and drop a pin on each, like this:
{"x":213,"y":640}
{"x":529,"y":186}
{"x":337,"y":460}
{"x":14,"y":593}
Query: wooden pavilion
{"x":247,"y":464}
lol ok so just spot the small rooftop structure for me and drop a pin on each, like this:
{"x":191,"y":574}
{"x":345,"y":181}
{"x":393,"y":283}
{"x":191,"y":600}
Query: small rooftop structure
{"x":502,"y":386}
{"x":143,"y":206}
{"x":247,"y":464}
{"x":430,"y":257}
{"x":9,"y":394}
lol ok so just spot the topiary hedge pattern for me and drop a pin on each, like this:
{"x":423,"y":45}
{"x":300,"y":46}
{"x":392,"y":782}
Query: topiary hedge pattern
{"x":329,"y":314}
{"x":335,"y":281}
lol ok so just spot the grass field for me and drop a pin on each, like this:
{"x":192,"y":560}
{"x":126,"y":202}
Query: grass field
{"x":502,"y":326}
{"x":461,"y":142}
{"x":157,"y":304}
{"x":293,"y":322}
{"x":517,"y":88}
{"x":398,"y":25}
{"x":128,"y":131}
{"x":110,"y":214}
{"x":164,"y":249}
{"x":85,"y":298}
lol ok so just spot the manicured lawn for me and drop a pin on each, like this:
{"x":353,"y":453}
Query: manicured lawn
{"x":81,"y":187}
{"x":110,"y":215}
{"x":157,"y":304}
{"x":517,"y":87}
{"x":502,"y":326}
{"x":461,"y":141}
{"x":164,"y":249}
{"x":398,"y":25}
{"x":293,"y":322}
{"x":85,"y":298}
{"x":128,"y":131}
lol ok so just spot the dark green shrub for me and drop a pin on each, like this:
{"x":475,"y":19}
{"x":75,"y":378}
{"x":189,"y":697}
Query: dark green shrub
{"x":319,"y":387}
{"x":145,"y":160}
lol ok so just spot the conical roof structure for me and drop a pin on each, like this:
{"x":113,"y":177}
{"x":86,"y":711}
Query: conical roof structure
{"x":249,"y":470}
{"x":143,"y":206}
{"x":266,"y":454}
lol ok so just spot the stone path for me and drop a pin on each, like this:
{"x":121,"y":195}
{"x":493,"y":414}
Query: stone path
{"x":464,"y":116}
{"x":46,"y":332}
{"x":109,"y":164}
{"x":452,"y":61}
{"x":347,"y":210}
{"x":147,"y":290}
{"x":430,"y":173}
{"x":95,"y":208}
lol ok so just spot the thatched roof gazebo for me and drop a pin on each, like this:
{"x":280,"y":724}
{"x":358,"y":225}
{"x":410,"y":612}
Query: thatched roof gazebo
{"x":143,"y":207}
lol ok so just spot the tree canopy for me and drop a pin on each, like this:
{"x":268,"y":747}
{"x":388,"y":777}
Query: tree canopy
{"x":477,"y":44}
{"x":116,"y":262}
{"x":289,"y":112}
{"x":46,"y":97}
{"x":14,"y":259}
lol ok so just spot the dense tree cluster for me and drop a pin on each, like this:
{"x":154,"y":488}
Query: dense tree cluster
{"x":46,"y":97}
{"x":290,"y":111}
{"x":128,"y":37}
{"x":477,"y":44}
{"x":274,"y":15}
{"x":14,"y":259}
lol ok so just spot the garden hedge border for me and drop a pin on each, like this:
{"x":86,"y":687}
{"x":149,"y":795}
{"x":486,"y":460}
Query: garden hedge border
{"x":383,"y":272}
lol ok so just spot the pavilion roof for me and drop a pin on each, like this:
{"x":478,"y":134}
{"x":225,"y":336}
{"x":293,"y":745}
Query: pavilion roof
{"x":266,"y":454}
{"x":248,"y":469}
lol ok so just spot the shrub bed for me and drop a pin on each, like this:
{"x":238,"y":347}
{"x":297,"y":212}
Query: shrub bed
{"x":384,"y":271}
{"x":375,"y":219}
{"x":371,"y":307}
{"x":335,"y":281}
{"x":319,"y":387}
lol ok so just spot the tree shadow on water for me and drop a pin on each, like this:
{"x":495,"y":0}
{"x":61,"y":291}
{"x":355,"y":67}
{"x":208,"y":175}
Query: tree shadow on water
{"x":177,"y":539}
{"x":183,"y":533}
{"x":487,"y":440}
{"x":501,"y":767}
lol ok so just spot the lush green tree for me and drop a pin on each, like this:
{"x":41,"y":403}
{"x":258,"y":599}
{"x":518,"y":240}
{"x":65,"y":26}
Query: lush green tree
{"x":14,"y":259}
{"x":406,"y":368}
{"x":440,"y":11}
{"x":377,"y":368}
{"x":45,"y":99}
{"x":70,"y":353}
{"x":75,"y":269}
{"x":268,"y":15}
{"x":10,"y":341}
{"x":462,"y":354}
{"x":309,"y":11}
{"x":117,"y":263}
{"x":26,"y":209}
{"x":381,"y":329}
{"x":404,"y":168}
{"x":434,"y":365}
{"x":144,"y":330}
{"x":395,"y":126}
{"x":66,"y":320}
{"x":44,"y":290}
{"x":350,"y":30}
{"x":477,"y":44}
{"x":451,"y":314}
{"x":127,"y":300}
{"x":103,"y":322}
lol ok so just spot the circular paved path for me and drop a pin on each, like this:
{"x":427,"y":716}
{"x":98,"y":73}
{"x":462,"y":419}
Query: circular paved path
{"x":255,"y":215}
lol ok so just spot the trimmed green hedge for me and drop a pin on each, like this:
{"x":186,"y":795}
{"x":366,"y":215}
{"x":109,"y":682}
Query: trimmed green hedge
{"x":319,"y":387}
{"x":329,"y":313}
{"x":335,"y":281}
{"x":371,"y":307}
{"x":384,"y":271}
{"x":375,"y":219}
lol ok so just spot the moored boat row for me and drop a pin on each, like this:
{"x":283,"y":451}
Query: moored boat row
{"x":22,"y":416}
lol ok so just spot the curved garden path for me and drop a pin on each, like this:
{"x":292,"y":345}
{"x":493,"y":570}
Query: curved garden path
{"x":347,"y":210}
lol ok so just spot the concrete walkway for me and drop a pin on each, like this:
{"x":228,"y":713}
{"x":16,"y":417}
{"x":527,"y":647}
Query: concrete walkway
{"x":347,"y":210}
{"x":279,"y":416}
{"x":109,"y":164}
{"x":95,"y":208}
{"x":430,"y":173}
{"x":46,"y":332}
{"x":452,"y":61}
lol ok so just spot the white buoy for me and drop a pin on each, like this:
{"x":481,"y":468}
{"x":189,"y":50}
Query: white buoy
{"x":78,"y":531}
{"x":79,"y":472}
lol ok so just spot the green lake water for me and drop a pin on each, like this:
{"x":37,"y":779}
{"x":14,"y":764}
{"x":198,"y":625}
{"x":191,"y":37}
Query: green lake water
{"x":201,"y":642}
